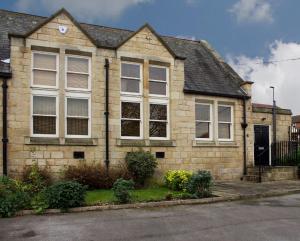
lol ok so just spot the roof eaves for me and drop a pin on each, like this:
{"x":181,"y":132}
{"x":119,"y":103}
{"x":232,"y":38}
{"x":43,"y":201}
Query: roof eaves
{"x":188,"y":91}
{"x":247,"y":82}
{"x":5,"y":74}
{"x":157,"y":36}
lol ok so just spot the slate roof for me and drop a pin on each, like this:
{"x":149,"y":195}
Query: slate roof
{"x":205,"y":72}
{"x":296,"y":119}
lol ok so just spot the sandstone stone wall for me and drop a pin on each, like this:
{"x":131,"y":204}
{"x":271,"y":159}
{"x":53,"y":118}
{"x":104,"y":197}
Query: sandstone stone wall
{"x":283,"y":122}
{"x":223,"y":159}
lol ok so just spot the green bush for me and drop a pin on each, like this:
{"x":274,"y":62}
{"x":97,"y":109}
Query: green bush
{"x":13,"y":197}
{"x":200,"y":184}
{"x":36,"y":178}
{"x":65,"y":195}
{"x":177,"y":180}
{"x":141,"y":165}
{"x":39,"y":203}
{"x":95,"y":175}
{"x":121,"y":190}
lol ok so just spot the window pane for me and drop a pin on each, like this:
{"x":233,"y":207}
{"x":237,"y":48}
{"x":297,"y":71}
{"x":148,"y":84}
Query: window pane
{"x":130,"y":128}
{"x":203,"y":112}
{"x":202,"y":130}
{"x":130,"y":70}
{"x":130,"y":85}
{"x":78,"y":107}
{"x":78,"y":81}
{"x":44,"y":61}
{"x":224,"y":131}
{"x":157,"y":73}
{"x":224,"y":113}
{"x":157,"y":129}
{"x":42,"y":77}
{"x":44,"y":125}
{"x":158,"y":112}
{"x":130,"y":110}
{"x":44,"y":105}
{"x":78,"y":65}
{"x":158,"y":88}
{"x":77,"y":126}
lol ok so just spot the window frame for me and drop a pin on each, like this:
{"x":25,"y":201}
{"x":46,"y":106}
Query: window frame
{"x":160,"y":102}
{"x":132,"y":100}
{"x":80,"y":73}
{"x":44,"y":93}
{"x":211,"y":122}
{"x":223,"y":122}
{"x":41,"y":69}
{"x":140,"y":93}
{"x":78,"y":96}
{"x":160,"y":81}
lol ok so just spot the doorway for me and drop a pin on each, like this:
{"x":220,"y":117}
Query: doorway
{"x":262,"y":145}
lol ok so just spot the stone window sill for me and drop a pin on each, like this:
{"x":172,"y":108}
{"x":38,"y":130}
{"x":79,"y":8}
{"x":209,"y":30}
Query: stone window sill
{"x":145,"y":143}
{"x":61,"y":141}
{"x":230,"y":144}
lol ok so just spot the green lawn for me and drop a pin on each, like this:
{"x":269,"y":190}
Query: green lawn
{"x":139,"y":195}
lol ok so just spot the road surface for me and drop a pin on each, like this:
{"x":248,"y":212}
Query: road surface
{"x":273,"y":219}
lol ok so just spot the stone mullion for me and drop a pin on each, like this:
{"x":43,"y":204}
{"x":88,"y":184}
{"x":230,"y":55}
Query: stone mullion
{"x":215,"y":122}
{"x":145,"y":99}
{"x":61,"y":93}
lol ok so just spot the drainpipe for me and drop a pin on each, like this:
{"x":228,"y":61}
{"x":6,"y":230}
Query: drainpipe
{"x":106,"y":113}
{"x":4,"y":125}
{"x":244,"y":126}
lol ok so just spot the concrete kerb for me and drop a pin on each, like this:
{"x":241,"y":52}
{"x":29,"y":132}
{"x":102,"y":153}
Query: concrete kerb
{"x":219,"y":197}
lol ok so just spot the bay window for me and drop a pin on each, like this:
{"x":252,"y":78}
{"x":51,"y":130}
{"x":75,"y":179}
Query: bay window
{"x":45,"y":101}
{"x":225,"y":122}
{"x":204,"y":125}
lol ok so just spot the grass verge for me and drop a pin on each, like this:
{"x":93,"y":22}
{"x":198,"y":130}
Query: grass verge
{"x":140,"y":195}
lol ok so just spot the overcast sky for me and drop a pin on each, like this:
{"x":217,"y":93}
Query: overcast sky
{"x":252,"y":35}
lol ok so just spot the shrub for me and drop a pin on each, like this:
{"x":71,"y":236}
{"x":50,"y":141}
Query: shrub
{"x":94,"y":175}
{"x":36,"y":178}
{"x":121,"y":190}
{"x":177,"y":180}
{"x":65,"y":194}
{"x":39,"y":203}
{"x":141,"y":165}
{"x":13,"y":197}
{"x":200,"y":184}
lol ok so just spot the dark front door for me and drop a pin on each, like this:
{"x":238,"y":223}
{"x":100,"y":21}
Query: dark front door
{"x":261,"y":145}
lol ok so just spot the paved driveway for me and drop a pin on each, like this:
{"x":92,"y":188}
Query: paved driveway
{"x":265,"y":219}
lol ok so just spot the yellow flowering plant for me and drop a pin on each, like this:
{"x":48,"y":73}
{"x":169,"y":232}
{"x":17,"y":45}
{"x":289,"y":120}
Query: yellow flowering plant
{"x":177,"y":180}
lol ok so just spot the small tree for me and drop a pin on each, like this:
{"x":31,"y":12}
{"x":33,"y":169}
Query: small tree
{"x":200,"y":184}
{"x":141,"y":165}
{"x":121,"y":190}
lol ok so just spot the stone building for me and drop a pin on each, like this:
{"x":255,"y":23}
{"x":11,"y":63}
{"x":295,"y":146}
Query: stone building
{"x":79,"y":91}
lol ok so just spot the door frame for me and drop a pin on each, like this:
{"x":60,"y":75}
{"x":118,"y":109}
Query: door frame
{"x":270,"y":141}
